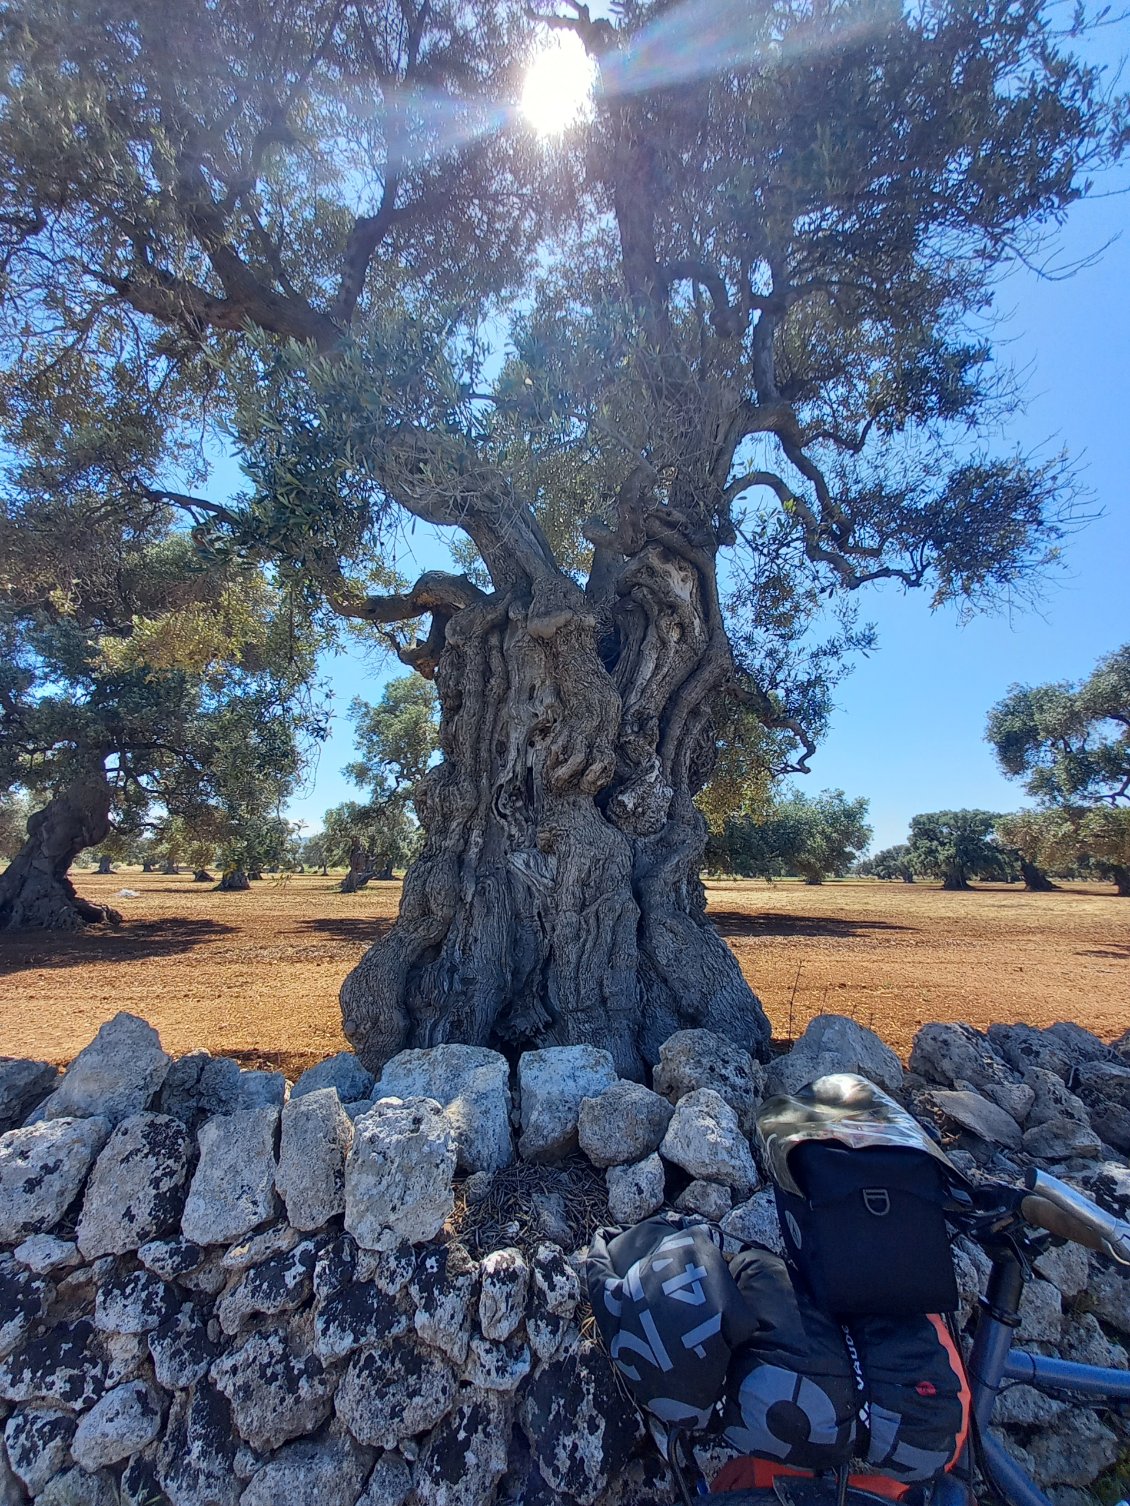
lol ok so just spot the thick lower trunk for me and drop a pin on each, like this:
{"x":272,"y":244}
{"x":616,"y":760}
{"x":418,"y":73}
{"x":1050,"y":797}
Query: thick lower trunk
{"x":1120,"y":873}
{"x":202,"y":876}
{"x":170,"y":869}
{"x":359,"y":873}
{"x":232,"y":880}
{"x":35,"y":892}
{"x":254,"y":873}
{"x":104,"y":865}
{"x":557,"y":898}
{"x":955,"y":879}
{"x":1035,"y":878}
{"x":147,"y":866}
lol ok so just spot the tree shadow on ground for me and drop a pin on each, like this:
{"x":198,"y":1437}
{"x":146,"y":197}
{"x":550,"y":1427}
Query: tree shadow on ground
{"x":362,"y":930}
{"x":1119,"y":950}
{"x":738,"y":923}
{"x":132,"y":941}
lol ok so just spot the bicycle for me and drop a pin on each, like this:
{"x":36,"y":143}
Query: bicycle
{"x":1014,"y":1226}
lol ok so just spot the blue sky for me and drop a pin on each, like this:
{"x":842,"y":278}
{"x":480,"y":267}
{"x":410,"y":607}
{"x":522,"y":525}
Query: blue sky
{"x":908,"y":729}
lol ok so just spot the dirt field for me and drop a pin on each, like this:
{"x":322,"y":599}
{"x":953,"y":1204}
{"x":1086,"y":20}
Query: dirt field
{"x":256,"y":975}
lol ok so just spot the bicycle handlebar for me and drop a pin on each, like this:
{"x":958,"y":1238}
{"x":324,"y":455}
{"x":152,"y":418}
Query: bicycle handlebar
{"x":1051,"y":1204}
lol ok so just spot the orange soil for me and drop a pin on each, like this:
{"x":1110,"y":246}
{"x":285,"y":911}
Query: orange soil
{"x":256,"y":975}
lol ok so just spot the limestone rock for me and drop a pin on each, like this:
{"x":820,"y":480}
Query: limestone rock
{"x":551,"y":1335}
{"x":394,"y":1390}
{"x":978,"y":1115}
{"x":42,"y":1169}
{"x":310,"y":1473}
{"x":400,"y":1172}
{"x":390,"y":1482}
{"x":119,"y":1424}
{"x":708,"y":1199}
{"x":77,"y":1488}
{"x":23,"y":1301}
{"x":693,"y":1059}
{"x":496,"y":1367}
{"x":139,"y":1484}
{"x":233,"y":1188}
{"x":1041,"y":1313}
{"x":127,"y":1356}
{"x":833,"y":1043}
{"x":443,"y":1291}
{"x":389,"y":1270}
{"x":948,"y":1054}
{"x":755,"y":1222}
{"x":1066,"y":1267}
{"x":1015,"y":1098}
{"x":277,"y":1385}
{"x":23,"y":1085}
{"x":335,"y":1266}
{"x":133,"y":1302}
{"x":314,"y":1142}
{"x":1105,"y":1089}
{"x":624,"y":1123}
{"x":354,"y":1316}
{"x":136,"y":1190}
{"x":557,"y":1288}
{"x":279,"y":1285}
{"x":343,"y":1072}
{"x":265,"y":1245}
{"x":181,"y":1349}
{"x":1075,"y":1451}
{"x":171,"y":1258}
{"x":1062,"y":1140}
{"x":705,"y":1139}
{"x":1025,"y":1407}
{"x":503,"y":1290}
{"x":552,"y":1084}
{"x":1024,"y":1047}
{"x":38,"y":1443}
{"x":1108,"y":1295}
{"x":1052,"y":1099}
{"x":61,"y":1365}
{"x":465,"y":1455}
{"x":579,"y":1430}
{"x":114,"y":1077}
{"x":196,"y":1455}
{"x":200,"y":1085}
{"x":472,"y":1086}
{"x":635,"y":1192}
{"x":1085,"y":1342}
{"x":1083,"y":1044}
{"x":43,"y":1253}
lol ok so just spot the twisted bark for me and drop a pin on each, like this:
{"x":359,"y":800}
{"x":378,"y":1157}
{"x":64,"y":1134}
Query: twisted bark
{"x":557,"y":897}
{"x":35,"y":892}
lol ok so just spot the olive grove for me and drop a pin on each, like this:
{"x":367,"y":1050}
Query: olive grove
{"x":671,"y":385}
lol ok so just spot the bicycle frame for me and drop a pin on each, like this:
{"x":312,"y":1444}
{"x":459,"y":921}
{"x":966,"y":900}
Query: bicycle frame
{"x":992,"y":1362}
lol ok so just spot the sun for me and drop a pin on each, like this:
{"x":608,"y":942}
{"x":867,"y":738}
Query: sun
{"x":557,"y":90}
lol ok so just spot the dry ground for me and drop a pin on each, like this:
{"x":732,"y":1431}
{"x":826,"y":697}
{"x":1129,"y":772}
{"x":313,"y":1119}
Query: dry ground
{"x":256,"y":975}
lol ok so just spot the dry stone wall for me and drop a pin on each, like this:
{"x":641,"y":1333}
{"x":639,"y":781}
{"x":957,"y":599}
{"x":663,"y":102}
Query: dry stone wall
{"x":221,"y":1289}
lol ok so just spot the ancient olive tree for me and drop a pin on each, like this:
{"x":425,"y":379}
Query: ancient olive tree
{"x":132,"y":684}
{"x":1070,"y":744}
{"x":675,"y":379}
{"x":396,"y":741}
{"x":809,"y":837}
{"x":956,"y":846}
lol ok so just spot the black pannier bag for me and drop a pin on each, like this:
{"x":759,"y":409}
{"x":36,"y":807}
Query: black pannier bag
{"x":808,"y":1393}
{"x":670,"y":1314}
{"x":790,"y":1396}
{"x":861,"y":1191}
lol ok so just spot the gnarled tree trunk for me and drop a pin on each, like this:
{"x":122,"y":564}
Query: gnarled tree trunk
{"x":1120,"y":873}
{"x":104,"y":865}
{"x":35,"y":892}
{"x":557,"y":898}
{"x":232,"y":880}
{"x":1035,"y":878}
{"x":202,"y":876}
{"x":359,"y":872}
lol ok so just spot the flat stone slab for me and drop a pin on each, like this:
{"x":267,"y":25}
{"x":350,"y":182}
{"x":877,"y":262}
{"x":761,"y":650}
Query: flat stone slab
{"x":42,"y":1169}
{"x":233,"y":1188}
{"x":472,"y":1086}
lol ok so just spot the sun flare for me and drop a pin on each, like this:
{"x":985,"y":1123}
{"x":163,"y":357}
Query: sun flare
{"x":558,"y":86}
